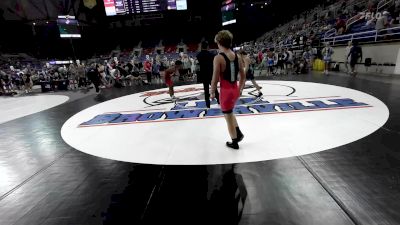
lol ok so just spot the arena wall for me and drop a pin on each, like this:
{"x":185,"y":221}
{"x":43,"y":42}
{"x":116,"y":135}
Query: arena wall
{"x":385,"y":55}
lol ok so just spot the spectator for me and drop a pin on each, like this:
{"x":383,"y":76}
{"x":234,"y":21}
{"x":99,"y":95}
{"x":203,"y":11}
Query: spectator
{"x":82,"y":76}
{"x":115,"y":75}
{"x":314,"y":56}
{"x":156,"y":68}
{"x":355,"y":56}
{"x":94,"y":77}
{"x":372,"y":5}
{"x":307,"y":55}
{"x":281,"y":63}
{"x":347,"y":57}
{"x":382,"y":23}
{"x":397,"y":7}
{"x":2,"y":74}
{"x":124,"y":73}
{"x":289,"y":60}
{"x":371,"y":24}
{"x":340,"y":26}
{"x":327,"y":53}
{"x":300,"y":66}
{"x":193,"y":67}
{"x":102,"y":71}
{"x":28,"y":82}
{"x":74,"y":78}
{"x":147,"y":70}
{"x":270,"y":62}
{"x":136,"y":78}
{"x":7,"y":86}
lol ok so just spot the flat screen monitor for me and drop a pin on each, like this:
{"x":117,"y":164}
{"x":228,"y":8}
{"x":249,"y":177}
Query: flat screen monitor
{"x":228,"y":11}
{"x":124,"y":7}
{"x":68,"y":27}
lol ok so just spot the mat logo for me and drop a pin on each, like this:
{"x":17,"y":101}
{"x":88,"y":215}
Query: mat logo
{"x":192,"y":110}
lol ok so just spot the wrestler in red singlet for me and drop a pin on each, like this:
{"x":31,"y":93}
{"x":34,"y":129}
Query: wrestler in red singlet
{"x":229,"y":88}
{"x":227,"y":66}
{"x":168,"y":77}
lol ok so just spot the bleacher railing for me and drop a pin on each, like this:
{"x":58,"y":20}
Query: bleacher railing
{"x":355,"y":19}
{"x":367,"y":36}
{"x":383,"y":3}
{"x":330,"y":33}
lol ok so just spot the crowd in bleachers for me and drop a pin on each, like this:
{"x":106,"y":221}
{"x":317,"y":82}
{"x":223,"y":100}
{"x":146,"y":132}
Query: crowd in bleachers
{"x":294,"y":47}
{"x":343,"y":17}
{"x":123,"y":69}
{"x":291,"y":48}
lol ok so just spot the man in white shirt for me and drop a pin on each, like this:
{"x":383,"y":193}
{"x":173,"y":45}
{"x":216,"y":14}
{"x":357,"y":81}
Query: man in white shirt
{"x":382,"y":22}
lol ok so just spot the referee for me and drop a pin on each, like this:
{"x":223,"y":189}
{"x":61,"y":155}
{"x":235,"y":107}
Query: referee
{"x":206,"y":62}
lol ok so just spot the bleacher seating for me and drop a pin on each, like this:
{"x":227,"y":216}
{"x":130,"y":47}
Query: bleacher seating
{"x":320,"y":23}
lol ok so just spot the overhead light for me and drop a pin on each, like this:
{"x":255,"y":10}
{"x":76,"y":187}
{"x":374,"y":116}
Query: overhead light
{"x":34,"y":24}
{"x":237,"y":9}
{"x":265,"y":3}
{"x":47,"y":22}
{"x":252,"y":4}
{"x":262,"y":6}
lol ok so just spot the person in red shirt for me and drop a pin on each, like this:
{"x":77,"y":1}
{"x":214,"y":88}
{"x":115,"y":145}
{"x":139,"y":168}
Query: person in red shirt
{"x":260,"y":56}
{"x":340,"y":26}
{"x":168,"y":77}
{"x":147,"y":69}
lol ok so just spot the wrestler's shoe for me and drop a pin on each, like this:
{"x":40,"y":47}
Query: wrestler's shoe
{"x":240,"y":135}
{"x":234,"y":144}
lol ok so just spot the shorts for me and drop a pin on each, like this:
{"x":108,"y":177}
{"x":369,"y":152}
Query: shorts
{"x":353,"y":62}
{"x":228,"y":96}
{"x":250,"y":75}
{"x":327,"y":59}
{"x":169,"y":82}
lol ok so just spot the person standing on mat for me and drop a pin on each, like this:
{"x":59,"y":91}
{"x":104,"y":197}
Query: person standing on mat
{"x":206,"y":60}
{"x":168,"y":78}
{"x":249,"y":71}
{"x":227,"y":66}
